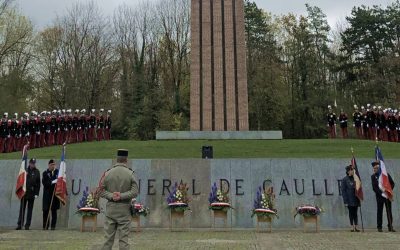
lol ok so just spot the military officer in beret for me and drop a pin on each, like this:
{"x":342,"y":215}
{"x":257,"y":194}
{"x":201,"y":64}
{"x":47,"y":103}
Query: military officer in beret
{"x":118,"y":186}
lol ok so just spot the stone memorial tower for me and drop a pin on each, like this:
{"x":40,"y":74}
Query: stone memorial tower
{"x":218,"y":81}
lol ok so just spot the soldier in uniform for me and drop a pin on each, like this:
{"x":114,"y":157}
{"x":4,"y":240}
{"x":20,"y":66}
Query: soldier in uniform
{"x":331,"y":122}
{"x":49,"y":180}
{"x":364,"y":123}
{"x":4,"y":133}
{"x":343,"y":124}
{"x":75,"y":126}
{"x":371,"y":122}
{"x":381,"y":125}
{"x":83,"y":126}
{"x":68,"y":121}
{"x":48,"y":129}
{"x":32,"y":192}
{"x":92,"y":125}
{"x":53,"y":127}
{"x":100,"y":126}
{"x":357,"y":117}
{"x":62,"y":128}
{"x":392,"y":126}
{"x":107,"y":130}
{"x":15,"y":133}
{"x":42,"y":129}
{"x":24,"y":131}
{"x":32,"y":130}
{"x":118,"y":186}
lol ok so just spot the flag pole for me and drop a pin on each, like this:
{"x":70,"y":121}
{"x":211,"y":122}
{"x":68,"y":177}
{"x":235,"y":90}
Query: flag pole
{"x":51,"y":204}
{"x":362,"y":221}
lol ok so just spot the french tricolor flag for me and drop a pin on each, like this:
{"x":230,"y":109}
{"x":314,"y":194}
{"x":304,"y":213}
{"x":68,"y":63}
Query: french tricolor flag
{"x":61,"y":185}
{"x":383,"y":180}
{"x":20,"y":187}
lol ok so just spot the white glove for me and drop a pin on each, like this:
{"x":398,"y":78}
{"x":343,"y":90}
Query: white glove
{"x":54,"y":182}
{"x":38,"y":133}
{"x":27,"y":134}
{"x":8,"y":136}
{"x":36,"y":196}
{"x":58,"y":129}
{"x":354,"y":125}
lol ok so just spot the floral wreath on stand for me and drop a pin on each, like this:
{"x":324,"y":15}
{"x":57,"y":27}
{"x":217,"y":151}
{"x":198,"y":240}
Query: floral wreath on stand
{"x":138,"y":209}
{"x":308,"y":210}
{"x":264,"y":203}
{"x":218,"y":199}
{"x":178,"y":199}
{"x":89,"y":203}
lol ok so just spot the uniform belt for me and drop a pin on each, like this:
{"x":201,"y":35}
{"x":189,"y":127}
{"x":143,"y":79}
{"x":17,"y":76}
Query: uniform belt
{"x":122,"y":202}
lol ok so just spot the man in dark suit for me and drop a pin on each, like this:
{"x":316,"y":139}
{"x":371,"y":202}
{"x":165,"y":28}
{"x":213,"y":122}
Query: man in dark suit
{"x":32,"y":192}
{"x":380,"y":200}
{"x":50,"y":202}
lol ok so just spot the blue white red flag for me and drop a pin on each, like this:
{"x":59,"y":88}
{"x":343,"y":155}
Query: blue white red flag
{"x":20,"y":187}
{"x":383,"y":181}
{"x":61,"y":185}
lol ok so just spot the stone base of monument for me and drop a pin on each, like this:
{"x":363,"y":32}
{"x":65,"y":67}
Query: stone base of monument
{"x":264,"y":220}
{"x":220,"y":215}
{"x":311,"y":219}
{"x":219,"y":135}
{"x":177,"y":221}
{"x":136,"y":220}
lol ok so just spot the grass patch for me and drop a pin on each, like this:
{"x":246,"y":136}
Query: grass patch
{"x":173,"y":149}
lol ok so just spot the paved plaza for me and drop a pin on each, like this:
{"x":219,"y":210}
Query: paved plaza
{"x":202,"y":239}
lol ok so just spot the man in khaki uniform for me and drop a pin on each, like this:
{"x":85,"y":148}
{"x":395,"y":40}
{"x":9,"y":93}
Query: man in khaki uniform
{"x":118,"y":187}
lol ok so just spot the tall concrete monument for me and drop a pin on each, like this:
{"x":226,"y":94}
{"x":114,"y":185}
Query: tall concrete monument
{"x":218,"y":84}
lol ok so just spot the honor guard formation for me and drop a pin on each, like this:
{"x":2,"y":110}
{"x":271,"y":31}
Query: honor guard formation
{"x":53,"y":128}
{"x":370,"y":123}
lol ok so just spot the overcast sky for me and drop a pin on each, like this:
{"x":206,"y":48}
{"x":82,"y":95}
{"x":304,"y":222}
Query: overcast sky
{"x":42,"y":12}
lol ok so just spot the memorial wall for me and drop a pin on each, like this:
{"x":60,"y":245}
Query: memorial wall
{"x":295,"y":181}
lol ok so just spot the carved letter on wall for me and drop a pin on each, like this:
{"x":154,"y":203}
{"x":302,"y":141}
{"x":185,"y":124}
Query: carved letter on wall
{"x":284,"y":188}
{"x":313,"y":188}
{"x":295,"y":187}
{"x":166,"y":186}
{"x":237,"y":187}
{"x":326,"y":188}
{"x":79,"y":187}
{"x":224,"y":185}
{"x":149,"y":186}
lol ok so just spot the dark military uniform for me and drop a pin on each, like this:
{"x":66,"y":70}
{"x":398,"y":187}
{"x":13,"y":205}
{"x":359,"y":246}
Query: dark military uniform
{"x":4,"y":134}
{"x":371,"y":121}
{"x":343,"y":124}
{"x":357,"y":119}
{"x":107,"y":130}
{"x":118,"y":217}
{"x":48,"y":191}
{"x":392,"y":127}
{"x":382,"y":201}
{"x":381,"y":123}
{"x":331,"y":120}
{"x":32,"y":190}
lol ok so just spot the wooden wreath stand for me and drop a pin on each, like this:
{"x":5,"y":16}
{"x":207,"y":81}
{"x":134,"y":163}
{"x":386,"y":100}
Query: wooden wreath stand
{"x":136,"y":219}
{"x":86,"y":219}
{"x":311,"y":219}
{"x":89,"y":218}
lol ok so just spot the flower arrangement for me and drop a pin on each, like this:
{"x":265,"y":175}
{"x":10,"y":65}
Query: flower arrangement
{"x":308,"y":210}
{"x":88,"y":204}
{"x":178,"y":199}
{"x":219,"y":200}
{"x":138,"y":209}
{"x":264,"y":203}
